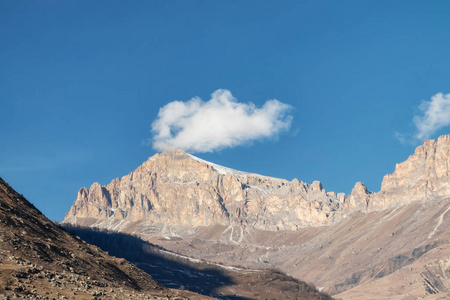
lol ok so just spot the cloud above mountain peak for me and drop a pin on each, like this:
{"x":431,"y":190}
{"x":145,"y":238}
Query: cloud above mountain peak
{"x":221,"y":122}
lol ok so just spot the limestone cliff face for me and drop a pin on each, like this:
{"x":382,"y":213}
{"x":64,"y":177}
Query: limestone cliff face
{"x":179,"y":189}
{"x":423,"y":176}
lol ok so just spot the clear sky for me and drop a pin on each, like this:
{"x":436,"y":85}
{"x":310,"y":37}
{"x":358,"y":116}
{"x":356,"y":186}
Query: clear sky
{"x":356,"y":85}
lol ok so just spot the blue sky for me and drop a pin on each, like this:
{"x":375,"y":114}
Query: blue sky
{"x":82,"y":82}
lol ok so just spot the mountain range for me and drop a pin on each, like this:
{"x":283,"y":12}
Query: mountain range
{"x":364,"y":245}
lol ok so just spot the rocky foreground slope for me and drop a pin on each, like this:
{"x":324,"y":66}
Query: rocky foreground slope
{"x":343,"y":243}
{"x":40,"y":260}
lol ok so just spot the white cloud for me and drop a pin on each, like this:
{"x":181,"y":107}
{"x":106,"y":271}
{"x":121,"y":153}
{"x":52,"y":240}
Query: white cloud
{"x":221,"y":122}
{"x":435,"y":115}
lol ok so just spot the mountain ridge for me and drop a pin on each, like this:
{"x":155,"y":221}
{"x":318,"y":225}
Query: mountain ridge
{"x":219,"y":195}
{"x":176,"y":173}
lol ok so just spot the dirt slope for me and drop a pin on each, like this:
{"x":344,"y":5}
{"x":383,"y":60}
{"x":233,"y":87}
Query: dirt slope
{"x":40,"y":260}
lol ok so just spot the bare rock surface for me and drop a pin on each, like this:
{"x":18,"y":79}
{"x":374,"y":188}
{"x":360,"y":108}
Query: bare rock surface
{"x":425,"y":175}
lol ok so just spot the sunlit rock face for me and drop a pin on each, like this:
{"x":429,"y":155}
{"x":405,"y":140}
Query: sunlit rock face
{"x":423,"y":176}
{"x":177,"y":188}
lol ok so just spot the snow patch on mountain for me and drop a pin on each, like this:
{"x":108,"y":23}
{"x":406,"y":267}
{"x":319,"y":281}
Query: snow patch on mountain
{"x":221,"y":169}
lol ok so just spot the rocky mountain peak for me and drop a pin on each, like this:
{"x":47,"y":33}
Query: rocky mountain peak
{"x":358,"y":199}
{"x":178,"y":188}
{"x":316,"y":186}
{"x":430,"y":161}
{"x":424,"y":175}
{"x":360,"y":189}
{"x":174,"y":154}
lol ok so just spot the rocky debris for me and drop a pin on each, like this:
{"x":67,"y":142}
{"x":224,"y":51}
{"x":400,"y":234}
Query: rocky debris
{"x":435,"y":276}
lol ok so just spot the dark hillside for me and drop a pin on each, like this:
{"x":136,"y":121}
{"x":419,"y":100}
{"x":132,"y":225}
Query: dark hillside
{"x":176,"y":271}
{"x":39,"y":259}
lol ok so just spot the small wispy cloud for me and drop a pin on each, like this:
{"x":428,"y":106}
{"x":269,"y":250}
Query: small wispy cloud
{"x":221,"y":122}
{"x":434,"y":115}
{"x":404,"y":138}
